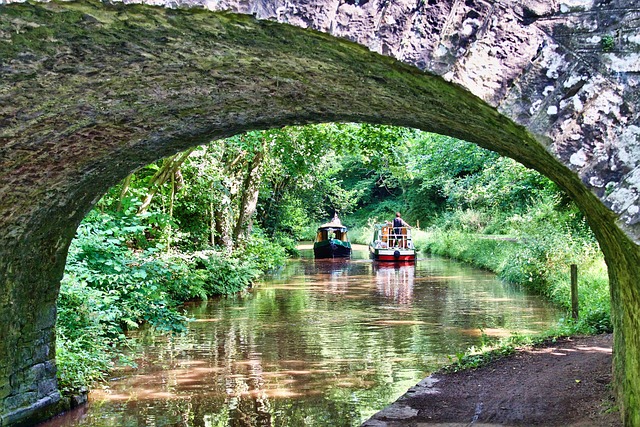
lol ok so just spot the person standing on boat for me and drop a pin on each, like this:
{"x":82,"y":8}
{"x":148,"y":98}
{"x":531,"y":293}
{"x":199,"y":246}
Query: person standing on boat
{"x":398,"y":224}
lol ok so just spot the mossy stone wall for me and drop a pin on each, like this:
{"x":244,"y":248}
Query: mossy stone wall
{"x":91,"y":91}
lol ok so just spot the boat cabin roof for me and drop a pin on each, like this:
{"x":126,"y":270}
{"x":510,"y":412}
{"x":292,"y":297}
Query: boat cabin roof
{"x":334,"y":224}
{"x":330,"y":226}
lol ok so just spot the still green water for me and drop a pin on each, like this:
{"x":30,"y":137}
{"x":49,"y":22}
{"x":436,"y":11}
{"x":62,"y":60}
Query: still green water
{"x":320,"y":343}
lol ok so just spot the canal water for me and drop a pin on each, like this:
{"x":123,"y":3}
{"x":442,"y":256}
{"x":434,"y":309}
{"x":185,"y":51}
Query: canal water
{"x":319,"y":343}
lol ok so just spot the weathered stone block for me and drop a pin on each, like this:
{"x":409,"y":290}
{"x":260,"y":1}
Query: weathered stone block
{"x":5,"y":389}
{"x":42,"y":352}
{"x":528,"y":80}
{"x":80,"y":398}
{"x":35,"y":412}
{"x":50,"y":368}
{"x":47,"y":387}
{"x":46,"y":319}
{"x":21,"y":400}
{"x":25,"y":353}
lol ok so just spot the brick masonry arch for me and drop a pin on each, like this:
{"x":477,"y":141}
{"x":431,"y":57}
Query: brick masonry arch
{"x":91,"y":91}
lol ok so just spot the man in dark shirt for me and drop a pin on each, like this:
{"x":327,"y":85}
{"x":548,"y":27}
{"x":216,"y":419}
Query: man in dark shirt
{"x":398,"y":223}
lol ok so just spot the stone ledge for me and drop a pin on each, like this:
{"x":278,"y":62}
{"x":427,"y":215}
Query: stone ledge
{"x":399,"y":412}
{"x":38,"y":411}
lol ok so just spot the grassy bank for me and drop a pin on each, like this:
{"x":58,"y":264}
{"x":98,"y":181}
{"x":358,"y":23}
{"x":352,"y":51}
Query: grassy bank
{"x":541,"y":263}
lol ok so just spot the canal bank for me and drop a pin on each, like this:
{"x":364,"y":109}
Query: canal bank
{"x":561,"y":383}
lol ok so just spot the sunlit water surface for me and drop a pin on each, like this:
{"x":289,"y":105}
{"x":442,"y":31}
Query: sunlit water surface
{"x":320,"y":343}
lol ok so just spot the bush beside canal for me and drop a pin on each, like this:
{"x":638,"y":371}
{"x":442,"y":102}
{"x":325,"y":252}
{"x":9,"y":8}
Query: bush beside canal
{"x":119,"y":276}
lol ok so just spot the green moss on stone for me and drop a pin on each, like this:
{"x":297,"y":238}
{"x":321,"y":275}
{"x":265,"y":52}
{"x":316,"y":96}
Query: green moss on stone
{"x":122,"y":84}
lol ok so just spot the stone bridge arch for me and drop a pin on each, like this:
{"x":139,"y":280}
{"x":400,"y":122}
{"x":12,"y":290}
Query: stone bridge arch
{"x":91,"y":91}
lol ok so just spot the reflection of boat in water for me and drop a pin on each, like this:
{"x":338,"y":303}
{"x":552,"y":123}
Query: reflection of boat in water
{"x":392,"y":244}
{"x":395,"y":281}
{"x":332,"y":240}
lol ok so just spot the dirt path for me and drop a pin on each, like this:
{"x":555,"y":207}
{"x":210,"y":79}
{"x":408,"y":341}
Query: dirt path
{"x":566,"y":383}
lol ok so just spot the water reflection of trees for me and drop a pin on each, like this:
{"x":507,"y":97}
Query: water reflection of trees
{"x":326,"y":341}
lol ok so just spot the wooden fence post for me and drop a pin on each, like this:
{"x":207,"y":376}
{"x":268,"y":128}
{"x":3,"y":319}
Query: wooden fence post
{"x":574,"y":291}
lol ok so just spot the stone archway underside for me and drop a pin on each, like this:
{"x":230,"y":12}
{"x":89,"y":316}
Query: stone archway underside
{"x":90,"y":92}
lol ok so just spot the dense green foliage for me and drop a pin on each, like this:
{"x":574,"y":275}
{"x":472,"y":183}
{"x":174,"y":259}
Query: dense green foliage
{"x":210,"y":220}
{"x":120,"y":275}
{"x":501,"y":216}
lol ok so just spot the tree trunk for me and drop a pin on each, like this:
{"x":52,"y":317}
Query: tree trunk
{"x":171,"y":203}
{"x":212,"y":219}
{"x":123,"y":192}
{"x":223,"y":230}
{"x":279,"y":189}
{"x":249,"y":198}
{"x":252,"y":206}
